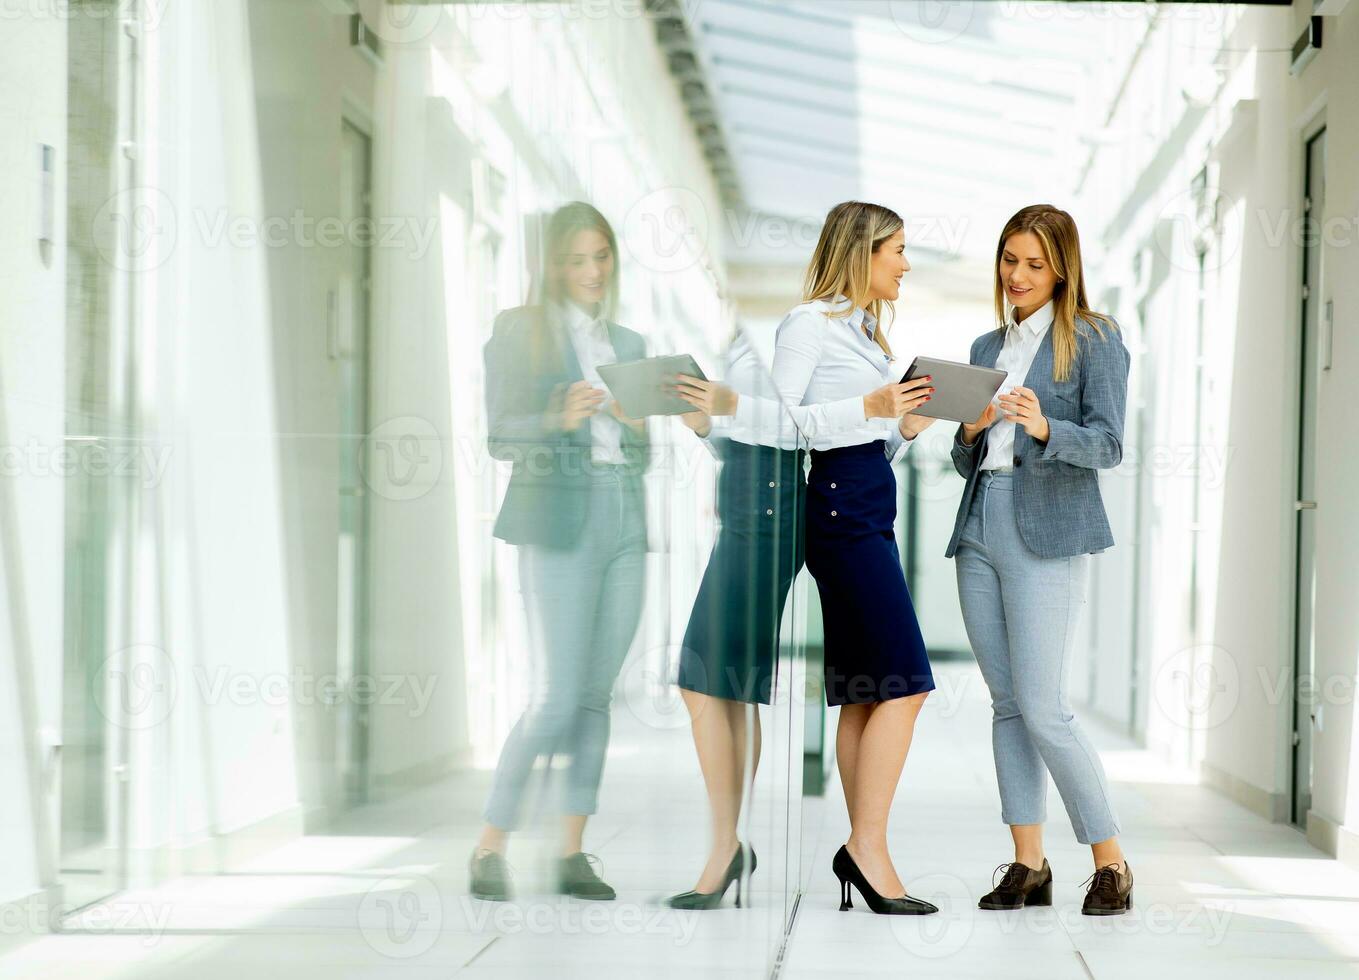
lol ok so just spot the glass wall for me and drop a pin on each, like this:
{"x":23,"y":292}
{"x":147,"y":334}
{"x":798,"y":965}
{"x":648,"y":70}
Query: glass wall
{"x":351,"y":596}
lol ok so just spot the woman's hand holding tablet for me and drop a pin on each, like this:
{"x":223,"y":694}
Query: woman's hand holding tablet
{"x":708,"y":397}
{"x":962,"y":390}
{"x":646,"y":387}
{"x":899,"y":398}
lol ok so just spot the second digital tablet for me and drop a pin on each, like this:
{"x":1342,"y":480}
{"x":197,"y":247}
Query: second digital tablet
{"x":961,"y":391}
{"x":642,"y":388}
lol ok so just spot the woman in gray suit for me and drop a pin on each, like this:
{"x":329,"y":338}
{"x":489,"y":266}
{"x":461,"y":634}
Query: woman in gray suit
{"x":574,"y":507}
{"x":1030,"y":516}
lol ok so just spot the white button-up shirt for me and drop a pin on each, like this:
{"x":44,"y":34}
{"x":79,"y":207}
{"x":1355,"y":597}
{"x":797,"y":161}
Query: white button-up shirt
{"x":589,"y":335}
{"x":761,"y":419}
{"x":1022,"y":341}
{"x":823,"y":366}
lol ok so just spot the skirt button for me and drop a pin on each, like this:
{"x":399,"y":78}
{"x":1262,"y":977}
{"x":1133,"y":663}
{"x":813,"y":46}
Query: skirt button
{"x":832,"y":486}
{"x":772,"y":483}
{"x":770,"y":511}
{"x":833,"y":514}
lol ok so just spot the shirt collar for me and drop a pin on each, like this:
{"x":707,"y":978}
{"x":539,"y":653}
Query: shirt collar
{"x":859,"y":318}
{"x":1035,"y":323}
{"x":581,"y":322}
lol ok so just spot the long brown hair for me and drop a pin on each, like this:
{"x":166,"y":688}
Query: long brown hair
{"x":1061,"y":243}
{"x":842,"y":263}
{"x":563,"y":225}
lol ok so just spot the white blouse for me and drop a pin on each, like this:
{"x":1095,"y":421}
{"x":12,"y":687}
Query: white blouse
{"x":1022,"y":341}
{"x":823,"y":367}
{"x":761,"y":419}
{"x":589,"y":335}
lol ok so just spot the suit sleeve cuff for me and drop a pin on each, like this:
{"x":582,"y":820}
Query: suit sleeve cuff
{"x":1053,"y":446}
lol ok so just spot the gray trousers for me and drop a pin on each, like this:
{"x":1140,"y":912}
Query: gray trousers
{"x":583,"y":605}
{"x":1021,"y":613}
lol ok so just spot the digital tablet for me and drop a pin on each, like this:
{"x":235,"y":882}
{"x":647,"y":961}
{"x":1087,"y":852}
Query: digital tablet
{"x":961,"y":391}
{"x":642,"y":388}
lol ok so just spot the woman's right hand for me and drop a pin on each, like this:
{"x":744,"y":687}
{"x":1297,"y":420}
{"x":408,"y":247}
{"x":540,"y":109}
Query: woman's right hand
{"x":970,"y":432}
{"x":700,"y":422}
{"x":899,"y":398}
{"x":578,"y":403}
{"x":709,"y":397}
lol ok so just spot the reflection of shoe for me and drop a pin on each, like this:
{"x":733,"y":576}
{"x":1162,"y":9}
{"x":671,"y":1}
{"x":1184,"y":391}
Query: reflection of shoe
{"x":1022,"y":885}
{"x":1110,"y":891}
{"x":848,"y":872}
{"x":490,"y":876}
{"x":711,"y":900}
{"x":577,"y":878}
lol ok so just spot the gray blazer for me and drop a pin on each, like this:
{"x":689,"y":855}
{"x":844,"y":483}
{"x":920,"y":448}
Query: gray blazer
{"x":1057,"y":500}
{"x":529,"y":363}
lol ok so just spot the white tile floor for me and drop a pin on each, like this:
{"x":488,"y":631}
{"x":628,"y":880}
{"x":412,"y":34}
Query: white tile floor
{"x":1219,"y":891}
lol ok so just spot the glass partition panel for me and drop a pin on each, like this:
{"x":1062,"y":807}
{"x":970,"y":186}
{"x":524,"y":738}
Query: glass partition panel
{"x":404,"y":617}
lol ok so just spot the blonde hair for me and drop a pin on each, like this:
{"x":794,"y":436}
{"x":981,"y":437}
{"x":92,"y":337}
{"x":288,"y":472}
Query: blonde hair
{"x":1061,"y":243}
{"x":842,"y":263}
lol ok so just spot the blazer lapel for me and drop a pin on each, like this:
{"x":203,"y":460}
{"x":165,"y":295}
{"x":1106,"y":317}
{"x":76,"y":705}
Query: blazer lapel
{"x":995,"y":340}
{"x":1042,"y":361}
{"x":570,"y":363}
{"x":618,"y":340}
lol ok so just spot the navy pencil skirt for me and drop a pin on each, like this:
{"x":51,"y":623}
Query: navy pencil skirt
{"x":731,"y":643}
{"x":874,"y":650}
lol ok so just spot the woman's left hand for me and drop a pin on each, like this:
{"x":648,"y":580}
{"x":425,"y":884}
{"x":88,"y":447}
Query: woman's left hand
{"x":1021,"y":407}
{"x":709,"y":397}
{"x":911,"y":426}
{"x":616,"y":410}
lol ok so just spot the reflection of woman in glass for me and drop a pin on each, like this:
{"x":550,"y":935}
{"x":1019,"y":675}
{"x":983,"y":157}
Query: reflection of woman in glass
{"x":727,"y":657}
{"x":832,"y":370}
{"x":574,"y":506}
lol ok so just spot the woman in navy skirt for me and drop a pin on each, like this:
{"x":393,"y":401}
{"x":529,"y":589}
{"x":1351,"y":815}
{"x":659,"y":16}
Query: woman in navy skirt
{"x":834,"y":370}
{"x":727,"y":659}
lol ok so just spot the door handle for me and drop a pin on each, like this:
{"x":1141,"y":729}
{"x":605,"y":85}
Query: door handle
{"x":1304,"y":505}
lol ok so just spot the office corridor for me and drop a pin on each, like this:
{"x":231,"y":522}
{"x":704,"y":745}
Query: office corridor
{"x":344,"y":478}
{"x":1219,"y":891}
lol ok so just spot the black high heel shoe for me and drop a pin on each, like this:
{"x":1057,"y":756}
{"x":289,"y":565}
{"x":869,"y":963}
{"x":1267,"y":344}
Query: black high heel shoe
{"x":849,"y":874}
{"x":711,"y":900}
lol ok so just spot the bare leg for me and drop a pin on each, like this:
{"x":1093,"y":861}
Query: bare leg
{"x":493,"y":839}
{"x":745,"y":728}
{"x":720,"y":736}
{"x":882,"y":750}
{"x":1107,"y":852}
{"x":573,"y":833}
{"x":1028,"y":843}
{"x":853,"y":718}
